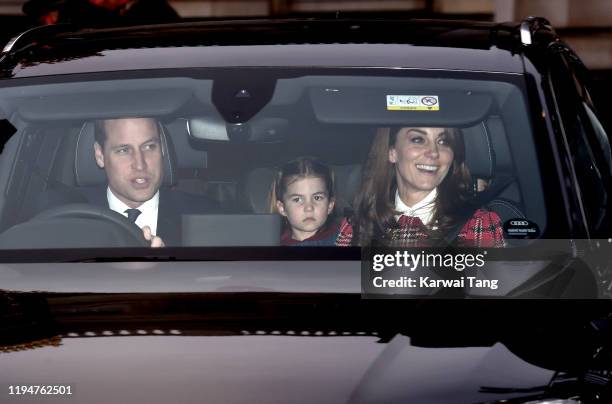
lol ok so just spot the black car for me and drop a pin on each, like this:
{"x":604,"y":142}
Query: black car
{"x":231,"y":308}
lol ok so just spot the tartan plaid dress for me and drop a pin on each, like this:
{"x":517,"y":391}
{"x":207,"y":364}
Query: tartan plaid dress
{"x":484,"y":229}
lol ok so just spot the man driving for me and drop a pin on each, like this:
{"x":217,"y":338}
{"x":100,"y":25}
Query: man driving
{"x":131,"y":153}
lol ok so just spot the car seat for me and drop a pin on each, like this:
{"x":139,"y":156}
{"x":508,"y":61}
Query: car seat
{"x":487,"y":156}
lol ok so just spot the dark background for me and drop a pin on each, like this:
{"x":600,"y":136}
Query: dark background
{"x":586,"y":25}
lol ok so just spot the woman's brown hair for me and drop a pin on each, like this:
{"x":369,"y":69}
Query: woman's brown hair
{"x":375,"y":203}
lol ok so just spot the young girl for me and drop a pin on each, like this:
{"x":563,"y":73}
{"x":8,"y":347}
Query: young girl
{"x":303,"y":192}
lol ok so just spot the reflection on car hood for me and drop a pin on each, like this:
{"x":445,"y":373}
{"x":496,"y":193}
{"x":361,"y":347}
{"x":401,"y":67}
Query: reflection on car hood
{"x":232,"y":276}
{"x":289,"y":347}
{"x":269,"y":369}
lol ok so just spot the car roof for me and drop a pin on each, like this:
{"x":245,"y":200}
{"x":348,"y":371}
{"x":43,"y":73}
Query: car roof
{"x":420,"y":44}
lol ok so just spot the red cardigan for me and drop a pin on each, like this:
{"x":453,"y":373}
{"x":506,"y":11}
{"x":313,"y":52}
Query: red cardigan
{"x":484,"y":229}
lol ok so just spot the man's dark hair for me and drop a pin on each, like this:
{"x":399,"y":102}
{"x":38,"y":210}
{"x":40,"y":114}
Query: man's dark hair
{"x":100,"y":132}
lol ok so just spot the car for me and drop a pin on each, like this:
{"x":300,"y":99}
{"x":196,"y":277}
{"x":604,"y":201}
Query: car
{"x":229,"y":308}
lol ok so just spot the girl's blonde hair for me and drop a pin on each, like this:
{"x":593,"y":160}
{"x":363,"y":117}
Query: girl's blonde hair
{"x":302,"y":167}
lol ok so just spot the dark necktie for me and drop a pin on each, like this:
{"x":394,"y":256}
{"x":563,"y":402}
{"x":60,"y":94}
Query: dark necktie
{"x":133,"y":214}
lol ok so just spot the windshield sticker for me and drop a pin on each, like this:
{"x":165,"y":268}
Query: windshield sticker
{"x":413,"y":103}
{"x":521,"y":228}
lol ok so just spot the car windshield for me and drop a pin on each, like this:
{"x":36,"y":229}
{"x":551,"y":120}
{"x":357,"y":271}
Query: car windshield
{"x":262,"y":157}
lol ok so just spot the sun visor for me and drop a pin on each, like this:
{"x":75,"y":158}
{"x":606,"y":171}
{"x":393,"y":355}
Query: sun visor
{"x":101,"y":99}
{"x":107,"y":105}
{"x":376,"y":106}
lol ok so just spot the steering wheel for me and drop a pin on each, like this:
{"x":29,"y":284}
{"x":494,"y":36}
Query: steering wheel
{"x":93,"y":212}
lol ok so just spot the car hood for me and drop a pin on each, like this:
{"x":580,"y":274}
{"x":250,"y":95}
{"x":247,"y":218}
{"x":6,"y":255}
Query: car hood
{"x":270,"y":369}
{"x":273,"y":332}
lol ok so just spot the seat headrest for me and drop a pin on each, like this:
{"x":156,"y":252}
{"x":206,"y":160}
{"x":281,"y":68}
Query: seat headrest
{"x":257,"y":185}
{"x":499,"y":142}
{"x":479,"y":152}
{"x":348,"y":182}
{"x":87,"y":173}
{"x":191,"y":158}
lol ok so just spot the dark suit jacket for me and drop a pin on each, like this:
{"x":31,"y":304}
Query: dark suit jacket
{"x":172,"y":204}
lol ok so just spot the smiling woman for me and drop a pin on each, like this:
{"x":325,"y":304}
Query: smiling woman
{"x":422,"y":158}
{"x":416,"y":190}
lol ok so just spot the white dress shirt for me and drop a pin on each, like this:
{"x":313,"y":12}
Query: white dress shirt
{"x":148,"y":210}
{"x":423,"y":209}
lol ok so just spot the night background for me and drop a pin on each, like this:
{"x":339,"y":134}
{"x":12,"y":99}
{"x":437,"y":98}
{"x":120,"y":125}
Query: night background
{"x":586,"y":25}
